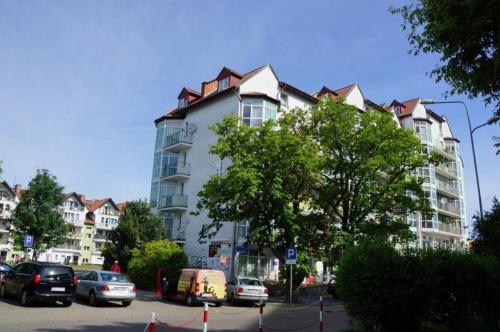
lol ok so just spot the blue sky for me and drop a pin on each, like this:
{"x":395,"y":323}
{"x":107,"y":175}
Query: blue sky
{"x":82,"y":82}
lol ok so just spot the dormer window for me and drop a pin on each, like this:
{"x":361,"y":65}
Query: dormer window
{"x":397,"y":110}
{"x":223,"y":84}
{"x":284,"y":99}
{"x":183,"y":102}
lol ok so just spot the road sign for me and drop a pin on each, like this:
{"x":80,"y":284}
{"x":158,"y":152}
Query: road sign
{"x":291,"y":255}
{"x":276,"y":264}
{"x":241,"y":250}
{"x":28,"y":241}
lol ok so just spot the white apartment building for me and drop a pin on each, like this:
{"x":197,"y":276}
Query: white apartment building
{"x":8,"y":202}
{"x":182,"y":163}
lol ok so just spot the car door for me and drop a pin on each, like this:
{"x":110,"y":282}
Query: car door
{"x":82,"y":286}
{"x":14,"y":283}
{"x":93,"y":282}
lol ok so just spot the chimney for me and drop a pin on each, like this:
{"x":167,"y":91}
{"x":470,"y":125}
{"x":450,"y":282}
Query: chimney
{"x":208,"y":87}
{"x":17,"y":190}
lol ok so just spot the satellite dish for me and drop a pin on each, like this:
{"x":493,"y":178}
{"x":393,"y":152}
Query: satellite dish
{"x":444,"y":200}
{"x":192,"y":127}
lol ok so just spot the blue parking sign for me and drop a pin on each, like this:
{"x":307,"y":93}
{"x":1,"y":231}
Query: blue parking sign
{"x":291,"y":255}
{"x":28,"y":241}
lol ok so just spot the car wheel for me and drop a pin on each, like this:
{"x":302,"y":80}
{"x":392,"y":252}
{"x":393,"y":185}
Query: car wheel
{"x":25,"y":298}
{"x":67,"y":303}
{"x":189,"y":300}
{"x":92,"y":299}
{"x":2,"y":291}
{"x":126,"y":303}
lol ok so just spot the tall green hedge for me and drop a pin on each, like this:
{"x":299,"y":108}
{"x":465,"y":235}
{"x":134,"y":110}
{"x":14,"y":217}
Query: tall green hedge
{"x":386,"y":289}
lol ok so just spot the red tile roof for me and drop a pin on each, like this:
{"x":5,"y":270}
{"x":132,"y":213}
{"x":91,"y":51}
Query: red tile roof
{"x":93,"y":205}
{"x":342,"y":92}
{"x":409,"y":106}
{"x":121,"y":206}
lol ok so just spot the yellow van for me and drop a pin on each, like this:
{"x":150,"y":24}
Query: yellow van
{"x":196,"y":286}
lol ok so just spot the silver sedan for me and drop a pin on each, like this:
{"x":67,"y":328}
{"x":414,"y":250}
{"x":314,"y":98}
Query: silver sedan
{"x":246,"y":289}
{"x":102,"y":286}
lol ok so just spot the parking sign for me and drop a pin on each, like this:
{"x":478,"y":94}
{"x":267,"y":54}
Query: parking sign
{"x":28,"y":241}
{"x":291,"y":255}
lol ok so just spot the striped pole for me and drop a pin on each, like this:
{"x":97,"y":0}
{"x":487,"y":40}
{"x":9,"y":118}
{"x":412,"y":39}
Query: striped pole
{"x":321,"y":314}
{"x":152,"y":320}
{"x":205,"y":317}
{"x":261,"y":313}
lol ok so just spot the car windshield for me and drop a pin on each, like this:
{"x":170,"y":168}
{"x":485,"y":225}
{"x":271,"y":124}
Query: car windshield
{"x":250,"y":282}
{"x":114,"y":277}
{"x":56,"y":271}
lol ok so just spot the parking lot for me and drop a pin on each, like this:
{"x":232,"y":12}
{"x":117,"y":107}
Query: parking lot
{"x":113,"y":317}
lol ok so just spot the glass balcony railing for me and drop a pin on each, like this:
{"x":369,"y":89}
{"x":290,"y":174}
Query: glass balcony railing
{"x":449,"y":153}
{"x":443,"y":227}
{"x":443,"y":186}
{"x":449,"y":208}
{"x":447,"y":171}
{"x":181,"y":169}
{"x":181,"y":138}
{"x":176,"y":201}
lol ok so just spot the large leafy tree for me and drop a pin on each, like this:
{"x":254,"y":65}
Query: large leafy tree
{"x":39,"y":213}
{"x":486,"y":233}
{"x":466,"y":34}
{"x":320,"y":180}
{"x":136,"y":226}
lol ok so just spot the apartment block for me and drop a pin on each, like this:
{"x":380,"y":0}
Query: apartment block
{"x":9,"y":198}
{"x":182,"y":163}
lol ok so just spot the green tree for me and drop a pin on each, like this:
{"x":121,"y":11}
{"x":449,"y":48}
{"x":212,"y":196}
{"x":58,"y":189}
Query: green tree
{"x":319,"y":180}
{"x":136,"y":226}
{"x":154,"y":255}
{"x":466,"y":35}
{"x":486,"y":233}
{"x":39,"y":213}
{"x":1,"y":169}
{"x":367,"y":184}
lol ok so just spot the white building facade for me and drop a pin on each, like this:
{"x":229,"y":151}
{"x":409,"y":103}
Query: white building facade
{"x":8,"y":202}
{"x":182,"y":163}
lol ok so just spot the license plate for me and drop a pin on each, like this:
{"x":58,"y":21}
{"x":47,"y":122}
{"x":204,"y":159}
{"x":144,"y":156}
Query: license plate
{"x":120,"y":289}
{"x":253,"y":290}
{"x":58,"y":289}
{"x":206,"y":295}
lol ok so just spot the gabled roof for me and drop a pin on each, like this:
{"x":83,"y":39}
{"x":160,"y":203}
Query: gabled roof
{"x":376,"y":106}
{"x":186,"y":91}
{"x":177,"y":113}
{"x":93,"y":205}
{"x":121,"y":206}
{"x":78,"y":197}
{"x":409,"y":106}
{"x":9,"y":188}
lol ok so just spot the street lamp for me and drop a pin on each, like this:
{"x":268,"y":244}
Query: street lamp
{"x":471,"y":131}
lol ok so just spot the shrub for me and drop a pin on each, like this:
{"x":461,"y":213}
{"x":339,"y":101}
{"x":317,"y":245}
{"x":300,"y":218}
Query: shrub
{"x":382,"y":289}
{"x":156,"y":254}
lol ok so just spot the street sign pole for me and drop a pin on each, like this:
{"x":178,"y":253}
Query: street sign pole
{"x":291,"y":282}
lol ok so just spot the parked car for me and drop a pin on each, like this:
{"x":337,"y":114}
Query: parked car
{"x":4,"y":269}
{"x":103,"y":286}
{"x":196,"y":286}
{"x":246,"y":289}
{"x":40,"y":281}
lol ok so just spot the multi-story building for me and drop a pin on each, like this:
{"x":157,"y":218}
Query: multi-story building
{"x":182,"y":163}
{"x":444,"y":184}
{"x":9,"y":198}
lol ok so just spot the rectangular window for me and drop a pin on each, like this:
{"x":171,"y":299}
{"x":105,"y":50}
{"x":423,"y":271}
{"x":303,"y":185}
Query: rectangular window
{"x":157,"y":165}
{"x":255,"y":111}
{"x":159,"y":137}
{"x":183,"y":102}
{"x":284,"y":99}
{"x":223,"y":84}
{"x":422,"y":131}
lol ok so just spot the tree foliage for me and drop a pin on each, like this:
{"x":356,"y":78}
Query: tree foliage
{"x":486,"y":233}
{"x":154,"y":255}
{"x":319,"y":180}
{"x":466,"y":34}
{"x":136,"y":227}
{"x":39,"y":213}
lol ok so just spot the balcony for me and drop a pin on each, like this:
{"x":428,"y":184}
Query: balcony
{"x":69,"y":247}
{"x":446,"y":171}
{"x":448,"y":228}
{"x":178,"y":172}
{"x":448,"y":153}
{"x":180,"y":234}
{"x":449,"y":209}
{"x":445,"y":189}
{"x":174,"y":203}
{"x":179,"y":141}
{"x":100,"y":238}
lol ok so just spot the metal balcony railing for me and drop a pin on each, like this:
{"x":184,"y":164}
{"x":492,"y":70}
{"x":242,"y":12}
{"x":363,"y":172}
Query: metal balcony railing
{"x":181,"y":169}
{"x":173,"y":201}
{"x":449,"y":208}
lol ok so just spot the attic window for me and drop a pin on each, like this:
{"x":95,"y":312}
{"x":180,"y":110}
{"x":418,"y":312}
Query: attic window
{"x":284,"y":99}
{"x":397,"y":110}
{"x":183,"y":102}
{"x":223,"y":84}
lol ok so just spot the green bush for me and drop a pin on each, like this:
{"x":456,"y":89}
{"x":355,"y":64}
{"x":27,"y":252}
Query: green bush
{"x":156,"y":254}
{"x":381,"y":288}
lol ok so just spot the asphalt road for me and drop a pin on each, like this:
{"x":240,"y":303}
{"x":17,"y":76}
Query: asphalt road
{"x":112,"y":317}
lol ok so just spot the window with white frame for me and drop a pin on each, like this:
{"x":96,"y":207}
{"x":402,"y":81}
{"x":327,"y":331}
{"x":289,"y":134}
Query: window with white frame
{"x":256,"y":111}
{"x":242,"y":229}
{"x":423,"y":130}
{"x":183,"y":102}
{"x":223,"y":84}
{"x":284,"y":99}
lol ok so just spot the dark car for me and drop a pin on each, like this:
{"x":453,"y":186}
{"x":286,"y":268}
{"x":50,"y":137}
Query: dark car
{"x":4,"y":270}
{"x":37,"y":281}
{"x":332,"y":289}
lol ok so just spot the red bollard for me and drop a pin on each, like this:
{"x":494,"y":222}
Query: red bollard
{"x":321,"y":314}
{"x":261,"y":313}
{"x":205,"y":317}
{"x":152,"y":327}
{"x":158,"y":282}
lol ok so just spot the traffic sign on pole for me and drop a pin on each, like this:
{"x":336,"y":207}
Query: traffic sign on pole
{"x":28,"y":241}
{"x":291,"y":255}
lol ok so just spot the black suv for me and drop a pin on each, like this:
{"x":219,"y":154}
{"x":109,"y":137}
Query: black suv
{"x":38,"y":281}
